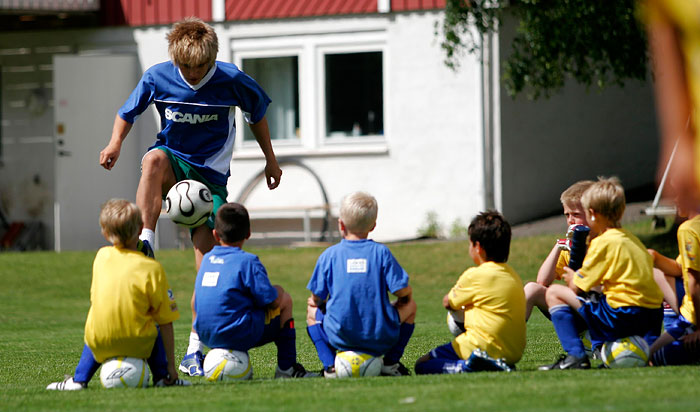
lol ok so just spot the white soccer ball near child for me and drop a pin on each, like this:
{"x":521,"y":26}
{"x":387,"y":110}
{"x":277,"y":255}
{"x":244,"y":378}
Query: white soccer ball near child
{"x":629,"y":352}
{"x":349,"y":364}
{"x":124,"y":372}
{"x":455,"y":321}
{"x":189,"y":203}
{"x":227,"y":365}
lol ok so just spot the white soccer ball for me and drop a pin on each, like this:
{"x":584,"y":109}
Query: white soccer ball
{"x":189,"y":203}
{"x":227,"y":365}
{"x":351,"y":364}
{"x":124,"y":372}
{"x":629,"y":352}
{"x":455,"y":321}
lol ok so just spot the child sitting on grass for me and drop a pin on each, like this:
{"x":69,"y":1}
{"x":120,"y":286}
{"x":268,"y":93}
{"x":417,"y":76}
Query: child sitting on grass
{"x":236,"y":306}
{"x":492,"y":299}
{"x":616,"y":259}
{"x":349,"y":309}
{"x":553,"y":266}
{"x":678,"y":345}
{"x":132,"y":306}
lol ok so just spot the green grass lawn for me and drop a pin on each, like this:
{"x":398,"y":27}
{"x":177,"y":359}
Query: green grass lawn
{"x":44,"y":300}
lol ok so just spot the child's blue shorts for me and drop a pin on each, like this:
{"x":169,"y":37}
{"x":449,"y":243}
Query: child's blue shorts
{"x":607,"y":324}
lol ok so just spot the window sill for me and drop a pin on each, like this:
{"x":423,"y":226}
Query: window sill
{"x":329,"y":150}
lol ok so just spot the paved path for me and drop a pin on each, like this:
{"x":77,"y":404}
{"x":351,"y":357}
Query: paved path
{"x":557,"y":224}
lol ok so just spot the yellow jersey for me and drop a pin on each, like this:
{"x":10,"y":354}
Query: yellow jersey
{"x":562,"y":262}
{"x":129,"y":296}
{"x":685,"y":16}
{"x":494,"y":312}
{"x":619,"y":262}
{"x":689,"y":247}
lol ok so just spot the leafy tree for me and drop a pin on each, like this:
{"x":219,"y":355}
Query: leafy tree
{"x":597,"y":42}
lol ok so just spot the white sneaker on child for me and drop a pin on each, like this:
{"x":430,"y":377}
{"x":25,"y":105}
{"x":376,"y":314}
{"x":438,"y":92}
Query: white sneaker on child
{"x":67,"y":384}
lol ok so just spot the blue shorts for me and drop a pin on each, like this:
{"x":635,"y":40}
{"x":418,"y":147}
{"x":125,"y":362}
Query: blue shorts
{"x":446,"y":351}
{"x":270,"y":332}
{"x":607,"y":324}
{"x":679,"y":327}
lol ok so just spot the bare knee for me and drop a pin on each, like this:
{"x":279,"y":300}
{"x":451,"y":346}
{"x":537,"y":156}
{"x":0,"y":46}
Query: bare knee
{"x":407,"y":312}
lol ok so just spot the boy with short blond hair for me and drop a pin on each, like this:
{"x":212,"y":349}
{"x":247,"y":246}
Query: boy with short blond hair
{"x":132,"y":308}
{"x":492,"y":300}
{"x":617,"y":261}
{"x":237,"y":308}
{"x":553,"y":266}
{"x":349,"y":309}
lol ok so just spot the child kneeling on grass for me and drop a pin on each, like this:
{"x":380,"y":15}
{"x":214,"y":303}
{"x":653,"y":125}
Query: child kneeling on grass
{"x":617,"y":260}
{"x":132,"y":306}
{"x":236,"y":306}
{"x":492,"y":299}
{"x":349,"y":307}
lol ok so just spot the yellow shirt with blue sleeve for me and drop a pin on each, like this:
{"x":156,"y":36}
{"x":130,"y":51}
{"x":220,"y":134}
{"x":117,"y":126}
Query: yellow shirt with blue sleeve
{"x":129,"y":296}
{"x":494,"y":311}
{"x":689,"y":258}
{"x":619,"y":262}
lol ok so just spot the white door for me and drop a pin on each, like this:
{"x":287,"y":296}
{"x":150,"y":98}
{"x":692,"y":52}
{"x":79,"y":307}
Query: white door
{"x":88,"y":91}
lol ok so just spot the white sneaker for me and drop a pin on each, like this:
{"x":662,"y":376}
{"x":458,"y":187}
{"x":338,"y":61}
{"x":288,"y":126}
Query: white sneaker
{"x":294,"y":371}
{"x":67,"y":384}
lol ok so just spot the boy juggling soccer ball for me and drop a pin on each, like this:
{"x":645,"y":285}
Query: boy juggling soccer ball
{"x":492,"y":300}
{"x":630,"y":303}
{"x":349,"y":307}
{"x":132,"y":308}
{"x":195,"y":96}
{"x":237,"y":308}
{"x":553,"y":266}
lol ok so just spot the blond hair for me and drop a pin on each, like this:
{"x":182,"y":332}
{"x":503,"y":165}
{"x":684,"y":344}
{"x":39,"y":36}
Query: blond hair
{"x":120,"y":221}
{"x":358,"y":211}
{"x":607,"y":198}
{"x":572,"y":195}
{"x":192,"y":42}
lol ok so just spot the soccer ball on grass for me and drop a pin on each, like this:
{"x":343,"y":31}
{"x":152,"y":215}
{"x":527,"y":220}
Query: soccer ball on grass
{"x":629,"y":352}
{"x":227,"y":365}
{"x":189,"y":203}
{"x":349,"y":364}
{"x":124,"y":372}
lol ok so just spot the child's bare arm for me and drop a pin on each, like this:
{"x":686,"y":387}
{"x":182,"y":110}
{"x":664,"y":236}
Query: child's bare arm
{"x":405,"y":295}
{"x":667,"y":265}
{"x":569,"y":279}
{"x":166,"y":332}
{"x":692,"y":340}
{"x":547,"y":274}
{"x":660,"y":342}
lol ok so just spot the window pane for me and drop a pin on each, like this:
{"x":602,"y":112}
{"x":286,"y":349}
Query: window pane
{"x":279,"y":76}
{"x":354,"y":94}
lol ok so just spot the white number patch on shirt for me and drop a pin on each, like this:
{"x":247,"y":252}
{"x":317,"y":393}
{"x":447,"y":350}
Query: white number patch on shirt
{"x":210,"y":279}
{"x":357,"y":265}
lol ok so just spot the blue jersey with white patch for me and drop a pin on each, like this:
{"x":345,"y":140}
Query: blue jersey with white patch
{"x":355,"y":277}
{"x":198,"y":122}
{"x":231,"y":292}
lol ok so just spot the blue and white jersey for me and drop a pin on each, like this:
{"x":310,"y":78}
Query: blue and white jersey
{"x":231,"y":292}
{"x":355,"y":277}
{"x":198,"y":122}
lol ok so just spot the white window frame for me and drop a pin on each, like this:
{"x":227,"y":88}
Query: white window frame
{"x":310,"y":50}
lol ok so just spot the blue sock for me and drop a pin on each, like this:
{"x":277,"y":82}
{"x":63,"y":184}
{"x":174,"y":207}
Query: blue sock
{"x":87,"y":366}
{"x":674,"y":354}
{"x":394,"y":354}
{"x":158,"y":361}
{"x":439,"y":365}
{"x":286,"y":343}
{"x":565,"y":326}
{"x":325,"y":352}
